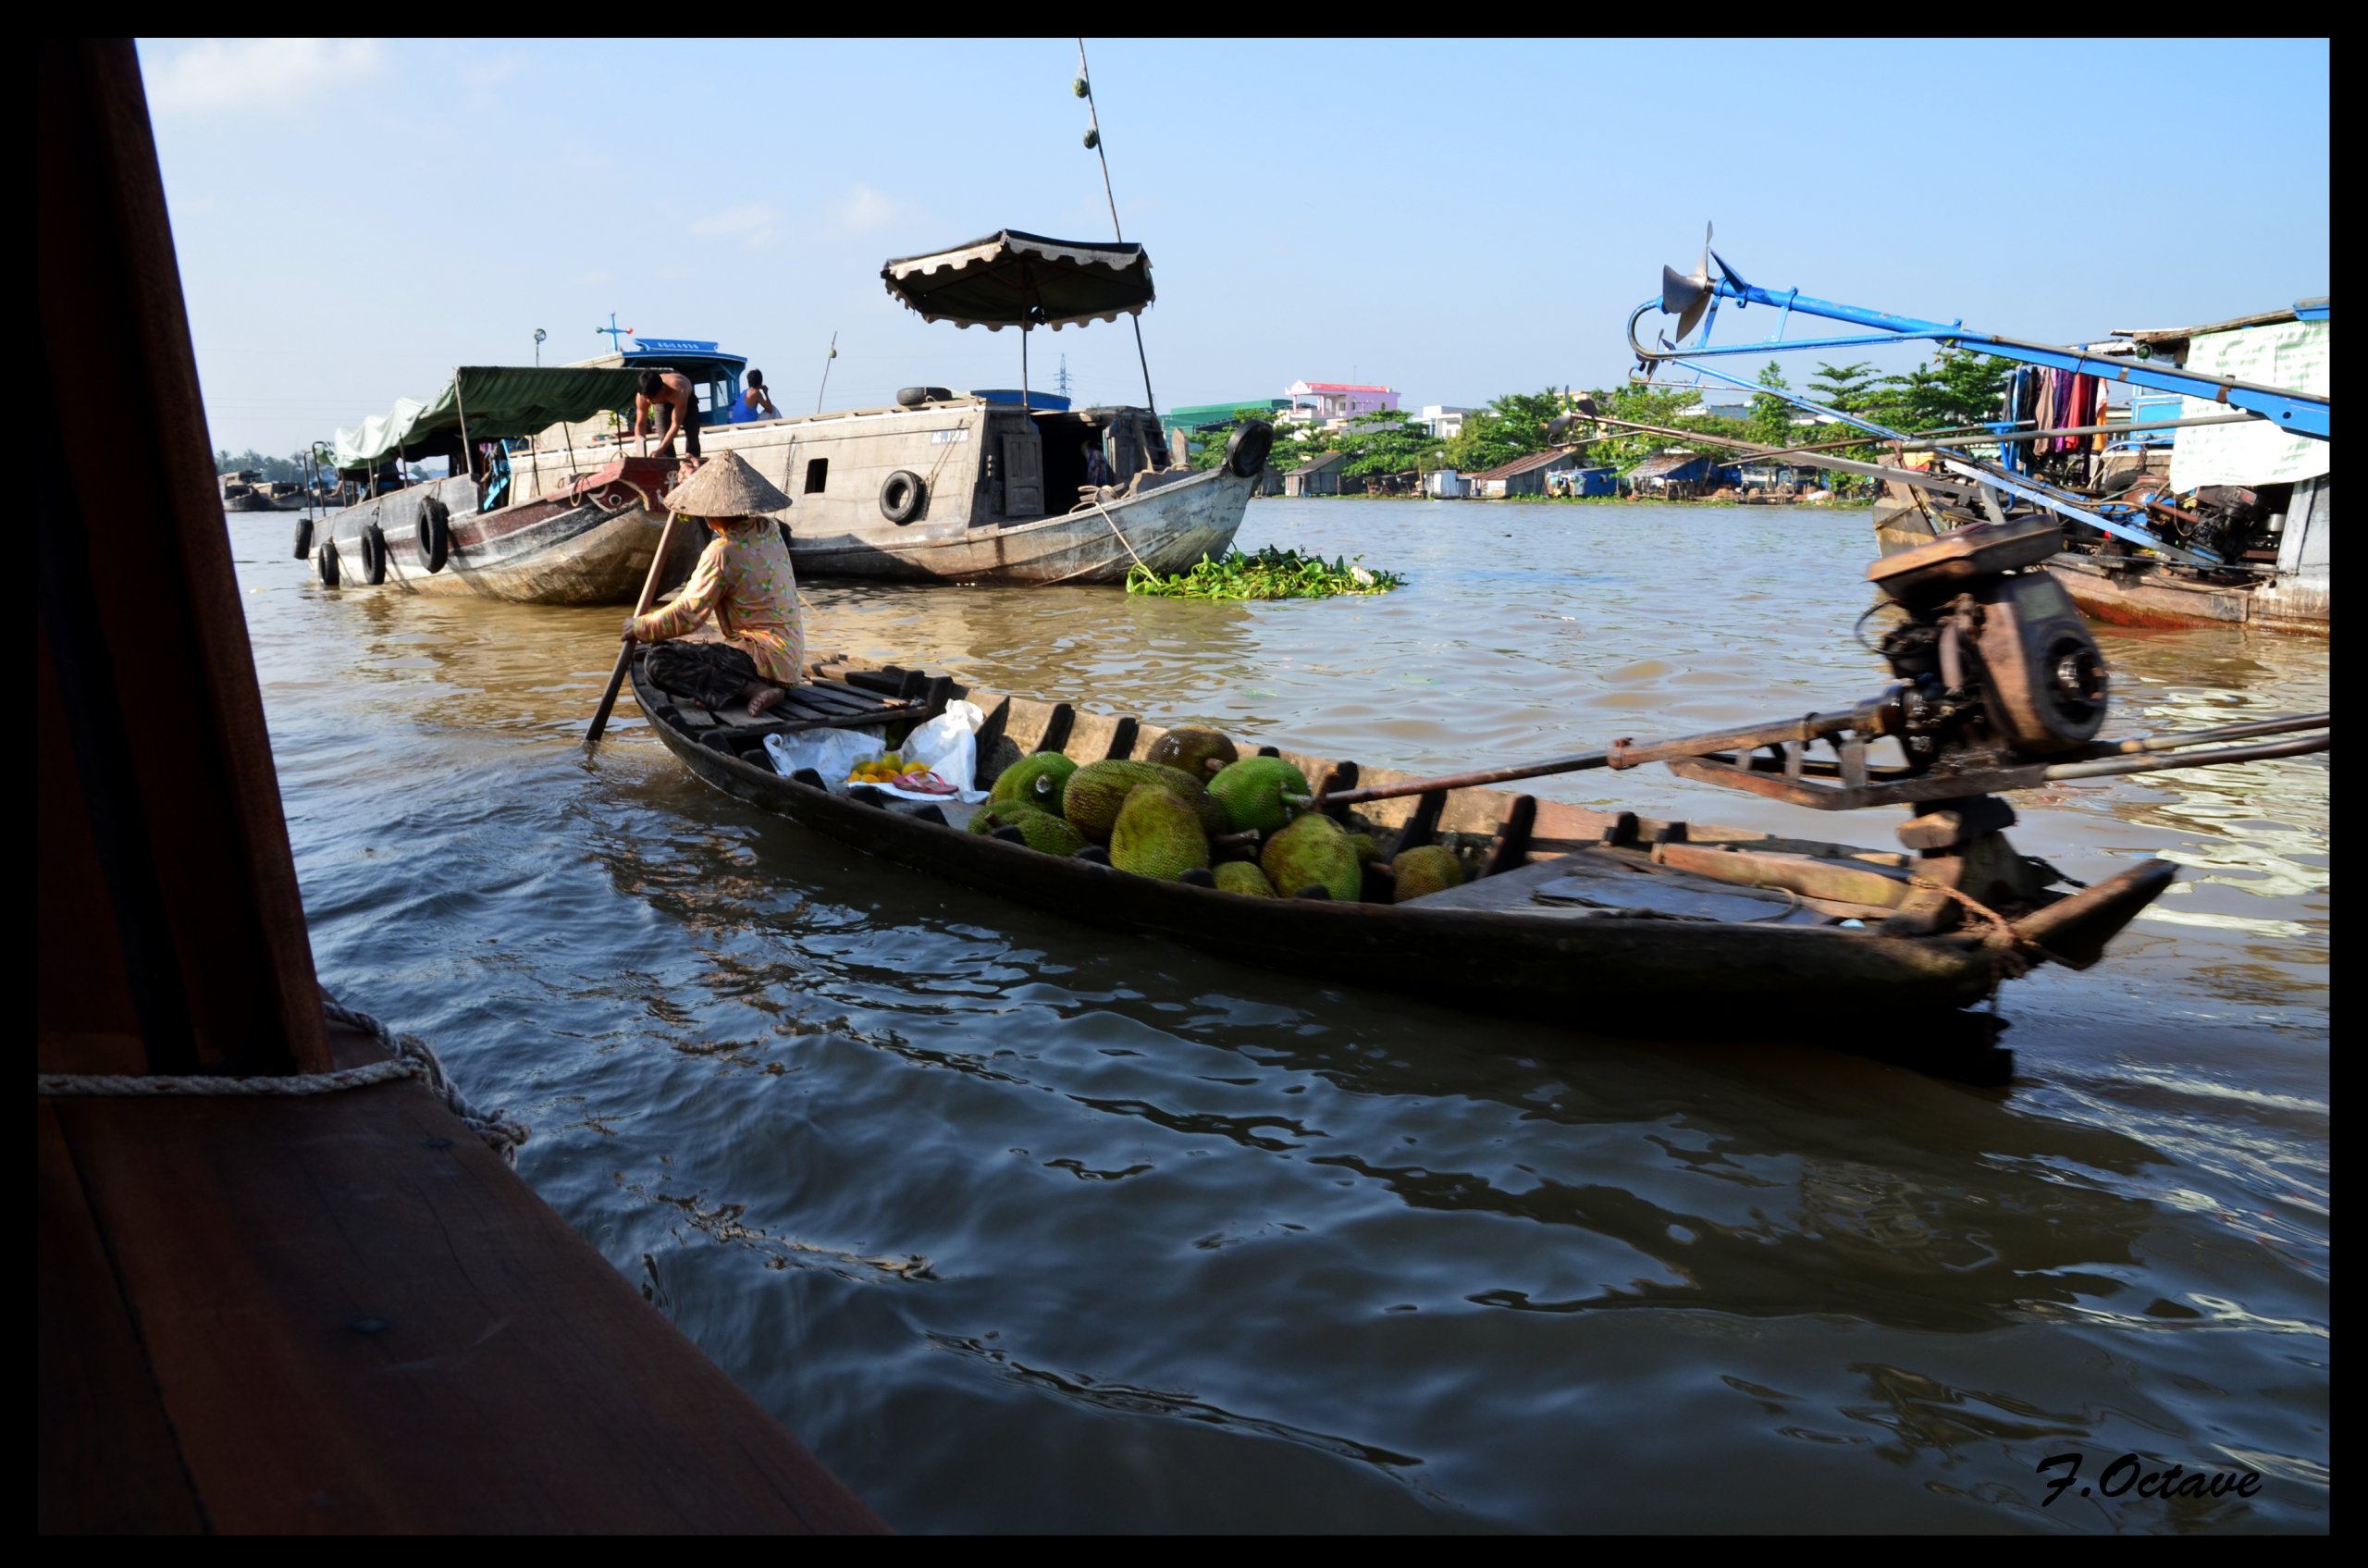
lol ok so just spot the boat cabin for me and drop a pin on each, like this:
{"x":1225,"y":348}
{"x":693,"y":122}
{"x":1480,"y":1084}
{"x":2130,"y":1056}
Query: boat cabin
{"x":957,"y":458}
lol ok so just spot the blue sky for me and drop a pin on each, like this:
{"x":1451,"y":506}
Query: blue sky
{"x":1455,"y":218}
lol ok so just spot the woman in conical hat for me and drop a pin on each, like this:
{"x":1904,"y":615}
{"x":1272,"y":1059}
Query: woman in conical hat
{"x":744,"y":582}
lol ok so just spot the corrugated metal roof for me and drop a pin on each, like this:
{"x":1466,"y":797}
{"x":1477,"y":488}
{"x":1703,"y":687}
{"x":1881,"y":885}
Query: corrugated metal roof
{"x":1317,"y":465}
{"x":1653,"y":467}
{"x":2266,"y":318}
{"x":1522,"y":465}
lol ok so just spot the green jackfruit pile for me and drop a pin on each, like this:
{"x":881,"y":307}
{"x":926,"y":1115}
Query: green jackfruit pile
{"x":1037,"y":779}
{"x":1195,"y":805}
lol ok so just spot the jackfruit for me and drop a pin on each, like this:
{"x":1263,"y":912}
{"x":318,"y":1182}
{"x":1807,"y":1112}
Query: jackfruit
{"x":1095,"y":792}
{"x":1044,"y":832}
{"x":1240,"y":876}
{"x":1431,"y":869}
{"x":1367,"y":850}
{"x":1192,"y":750}
{"x":1157,"y":834}
{"x":1251,"y":791}
{"x":1313,"y":852}
{"x":1038,"y":778}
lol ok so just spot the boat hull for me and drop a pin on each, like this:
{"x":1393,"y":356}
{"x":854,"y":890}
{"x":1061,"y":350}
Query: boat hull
{"x":1652,"y":975}
{"x":2123,"y":593}
{"x":559,"y":550}
{"x":1167,"y":529}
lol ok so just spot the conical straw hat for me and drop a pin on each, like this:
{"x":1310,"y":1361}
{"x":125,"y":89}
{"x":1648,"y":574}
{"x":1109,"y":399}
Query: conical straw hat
{"x":726,"y":486}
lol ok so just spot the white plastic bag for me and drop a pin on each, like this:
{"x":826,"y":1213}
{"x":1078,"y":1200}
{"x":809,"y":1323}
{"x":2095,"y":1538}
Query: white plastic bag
{"x":948,"y":746}
{"x":831,"y":753}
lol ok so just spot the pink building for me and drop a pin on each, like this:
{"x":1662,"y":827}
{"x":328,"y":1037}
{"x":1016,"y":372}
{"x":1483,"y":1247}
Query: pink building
{"x":1322,"y":400}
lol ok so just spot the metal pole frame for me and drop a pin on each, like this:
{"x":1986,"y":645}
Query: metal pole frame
{"x":2305,"y":413}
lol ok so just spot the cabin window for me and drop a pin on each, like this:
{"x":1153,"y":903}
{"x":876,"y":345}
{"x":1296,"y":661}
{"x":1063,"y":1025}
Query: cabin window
{"x":817,"y":469}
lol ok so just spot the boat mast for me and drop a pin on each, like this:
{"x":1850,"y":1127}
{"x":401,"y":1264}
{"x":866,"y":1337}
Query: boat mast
{"x":1093,"y":140}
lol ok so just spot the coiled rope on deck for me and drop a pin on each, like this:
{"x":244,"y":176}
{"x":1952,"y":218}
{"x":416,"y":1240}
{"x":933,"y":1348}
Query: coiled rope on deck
{"x":410,"y":1057}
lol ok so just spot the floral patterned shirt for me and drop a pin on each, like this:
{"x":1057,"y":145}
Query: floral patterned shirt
{"x":744,"y":579}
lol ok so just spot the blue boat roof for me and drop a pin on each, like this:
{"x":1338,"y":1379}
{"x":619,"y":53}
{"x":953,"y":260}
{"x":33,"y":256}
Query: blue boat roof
{"x":1051,"y":403}
{"x":644,"y":348}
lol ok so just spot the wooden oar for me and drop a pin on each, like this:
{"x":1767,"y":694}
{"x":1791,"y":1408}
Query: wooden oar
{"x":624,"y":654}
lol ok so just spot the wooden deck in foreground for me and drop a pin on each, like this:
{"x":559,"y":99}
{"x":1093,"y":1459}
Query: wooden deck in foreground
{"x":343,"y":1314}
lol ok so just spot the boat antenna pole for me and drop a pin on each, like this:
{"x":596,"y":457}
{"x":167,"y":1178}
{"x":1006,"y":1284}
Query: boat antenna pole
{"x":1084,"y":87}
{"x":826,"y":372}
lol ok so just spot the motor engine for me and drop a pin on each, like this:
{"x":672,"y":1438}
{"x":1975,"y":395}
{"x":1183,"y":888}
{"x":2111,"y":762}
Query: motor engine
{"x":1995,"y":662}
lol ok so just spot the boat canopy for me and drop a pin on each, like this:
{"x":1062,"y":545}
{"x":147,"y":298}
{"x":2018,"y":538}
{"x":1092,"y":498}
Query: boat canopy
{"x":1014,"y":279}
{"x":497,"y":400}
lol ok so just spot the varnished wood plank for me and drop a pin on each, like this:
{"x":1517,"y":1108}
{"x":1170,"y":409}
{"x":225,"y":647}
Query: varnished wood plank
{"x":106,"y":1461}
{"x":360,"y":1320}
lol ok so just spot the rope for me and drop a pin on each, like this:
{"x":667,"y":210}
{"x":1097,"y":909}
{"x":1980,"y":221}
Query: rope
{"x":412,"y":1058}
{"x":1115,"y":529}
{"x":2015,"y":941}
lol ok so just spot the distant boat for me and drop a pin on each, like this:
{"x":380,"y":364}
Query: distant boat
{"x":970,"y":486}
{"x":585,"y":534}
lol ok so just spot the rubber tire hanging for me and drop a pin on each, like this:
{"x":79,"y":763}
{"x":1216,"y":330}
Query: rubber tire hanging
{"x":373,"y":554}
{"x":902,"y":495}
{"x":304,"y":538}
{"x":325,"y":563}
{"x":435,"y":534}
{"x":1246,"y":448}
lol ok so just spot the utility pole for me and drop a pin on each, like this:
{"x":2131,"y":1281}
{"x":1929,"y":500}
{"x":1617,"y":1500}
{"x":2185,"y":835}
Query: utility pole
{"x":1061,"y":381}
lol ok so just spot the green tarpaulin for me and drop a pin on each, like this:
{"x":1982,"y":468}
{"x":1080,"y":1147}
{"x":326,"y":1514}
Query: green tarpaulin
{"x":498,"y":401}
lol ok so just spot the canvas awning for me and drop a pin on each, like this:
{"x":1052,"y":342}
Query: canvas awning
{"x":499,"y":401}
{"x":1014,"y":279}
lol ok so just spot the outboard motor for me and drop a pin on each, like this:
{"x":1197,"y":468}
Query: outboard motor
{"x":1997,"y":663}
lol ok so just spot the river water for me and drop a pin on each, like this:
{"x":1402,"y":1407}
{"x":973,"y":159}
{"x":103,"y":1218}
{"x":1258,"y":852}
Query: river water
{"x":1021,"y":1225}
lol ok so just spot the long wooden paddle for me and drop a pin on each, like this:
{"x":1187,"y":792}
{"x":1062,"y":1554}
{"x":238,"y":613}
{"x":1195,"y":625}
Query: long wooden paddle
{"x":624,"y":654}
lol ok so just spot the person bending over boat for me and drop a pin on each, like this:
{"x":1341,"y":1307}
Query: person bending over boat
{"x":745,"y":582}
{"x":670,"y":391}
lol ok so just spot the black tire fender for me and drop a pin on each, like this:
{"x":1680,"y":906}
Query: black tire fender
{"x":304,"y":538}
{"x":373,"y":554}
{"x":1246,"y":448}
{"x":902,"y":495}
{"x":435,"y":534}
{"x":913,"y":397}
{"x":325,"y":563}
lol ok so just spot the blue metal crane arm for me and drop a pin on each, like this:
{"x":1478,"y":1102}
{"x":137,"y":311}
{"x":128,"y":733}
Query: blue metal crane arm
{"x":2305,"y":413}
{"x":1966,"y":464}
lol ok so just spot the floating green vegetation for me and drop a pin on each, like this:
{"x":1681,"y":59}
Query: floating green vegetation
{"x":1271,"y":574}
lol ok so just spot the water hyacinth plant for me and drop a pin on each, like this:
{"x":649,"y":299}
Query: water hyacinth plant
{"x":1270,"y":574}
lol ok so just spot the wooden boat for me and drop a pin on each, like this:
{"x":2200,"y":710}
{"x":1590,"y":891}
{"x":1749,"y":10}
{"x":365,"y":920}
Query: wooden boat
{"x":1608,"y":917}
{"x":589,"y":542}
{"x":582,"y":534}
{"x":2125,"y":590}
{"x":961,"y":486}
{"x":287,"y":1313}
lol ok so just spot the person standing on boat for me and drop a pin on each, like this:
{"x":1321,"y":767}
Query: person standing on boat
{"x":756,"y":402}
{"x":744,"y":581}
{"x":670,"y":390}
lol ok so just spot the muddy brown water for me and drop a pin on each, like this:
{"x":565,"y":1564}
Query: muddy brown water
{"x":1023,"y":1225}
